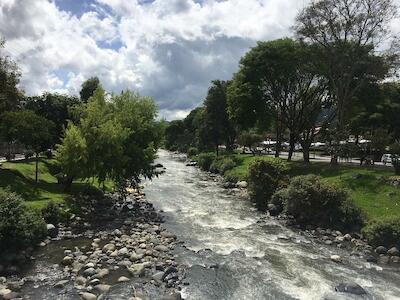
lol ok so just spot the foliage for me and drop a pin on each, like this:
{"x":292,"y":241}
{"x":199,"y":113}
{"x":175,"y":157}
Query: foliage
{"x":28,"y":154}
{"x":115,"y":140}
{"x":265,"y":177}
{"x":55,"y":107}
{"x":192,"y":151}
{"x":221,"y":164}
{"x":312,"y":201}
{"x":10,"y":95}
{"x":52,"y":213}
{"x":88,"y":88}
{"x":20,"y":227}
{"x":249,"y":139}
{"x":217,"y":126}
{"x":71,"y":155}
{"x":384,"y":232}
{"x":204,"y":160}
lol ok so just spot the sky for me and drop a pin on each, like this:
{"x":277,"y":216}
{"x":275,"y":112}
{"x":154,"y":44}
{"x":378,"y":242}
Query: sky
{"x":167,"y":49}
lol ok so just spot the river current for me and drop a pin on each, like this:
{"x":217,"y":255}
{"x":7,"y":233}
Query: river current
{"x":235,"y":252}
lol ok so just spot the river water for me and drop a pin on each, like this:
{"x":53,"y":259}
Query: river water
{"x":235,"y":252}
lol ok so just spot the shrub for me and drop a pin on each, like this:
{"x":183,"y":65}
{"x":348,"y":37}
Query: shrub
{"x":384,"y":232}
{"x":312,"y":201}
{"x":192,"y":151}
{"x":20,"y":227}
{"x":222,"y":164}
{"x":265,"y":177}
{"x":204,"y":160}
{"x":52,"y":213}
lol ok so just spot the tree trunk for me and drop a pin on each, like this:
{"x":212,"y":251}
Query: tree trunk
{"x":278,"y":141}
{"x":68,"y":184}
{"x":36,"y":167}
{"x":306,"y":152}
{"x":216,"y":149}
{"x":292,"y":144}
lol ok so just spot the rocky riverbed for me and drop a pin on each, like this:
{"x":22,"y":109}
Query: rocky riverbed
{"x":128,"y":257}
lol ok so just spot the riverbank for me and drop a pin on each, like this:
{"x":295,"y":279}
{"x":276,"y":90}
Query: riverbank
{"x":124,"y":254}
{"x":361,"y":183}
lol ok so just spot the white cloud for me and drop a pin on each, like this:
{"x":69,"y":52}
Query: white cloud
{"x":170,"y":50}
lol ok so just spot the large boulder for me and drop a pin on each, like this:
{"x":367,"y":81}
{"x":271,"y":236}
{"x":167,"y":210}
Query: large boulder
{"x":52,"y":231}
{"x":381,"y":250}
{"x":350,"y":288}
{"x":393,"y":251}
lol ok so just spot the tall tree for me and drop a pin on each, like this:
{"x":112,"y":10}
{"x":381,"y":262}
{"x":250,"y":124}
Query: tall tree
{"x":10,"y":95}
{"x":216,"y":120}
{"x":54,"y":107}
{"x":88,"y":88}
{"x":345,"y":33}
{"x":283,"y":80}
{"x":33,"y":131}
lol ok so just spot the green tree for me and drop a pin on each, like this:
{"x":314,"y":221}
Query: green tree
{"x":216,"y":120}
{"x":88,"y":88}
{"x":345,"y":34}
{"x":33,"y":131}
{"x":55,"y":107}
{"x":71,"y":155}
{"x":282,"y":80}
{"x":10,"y":95}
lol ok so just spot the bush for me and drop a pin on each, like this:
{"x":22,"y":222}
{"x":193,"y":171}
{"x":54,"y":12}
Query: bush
{"x":20,"y":227}
{"x":312,"y":201}
{"x":204,"y":160}
{"x":384,"y":232}
{"x":28,"y":154}
{"x":53,"y":214}
{"x":265,"y":177}
{"x":222,"y":164}
{"x":192,"y":151}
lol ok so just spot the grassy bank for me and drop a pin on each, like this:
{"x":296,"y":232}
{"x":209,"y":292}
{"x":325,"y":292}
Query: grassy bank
{"x":19,"y":177}
{"x":375,"y":197}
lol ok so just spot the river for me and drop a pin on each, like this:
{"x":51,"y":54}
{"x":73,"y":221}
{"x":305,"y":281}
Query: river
{"x":235,"y":252}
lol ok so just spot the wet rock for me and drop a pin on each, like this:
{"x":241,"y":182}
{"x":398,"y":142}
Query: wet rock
{"x":241,"y":184}
{"x":381,"y":250}
{"x":109,"y":247}
{"x":102,"y":273}
{"x":61,"y":283}
{"x":174,"y":296}
{"x":135,"y":257}
{"x":273,"y":210}
{"x":123,"y":252}
{"x":88,"y":296}
{"x":336,"y":258}
{"x":52,"y":231}
{"x":395,"y":259}
{"x":4,"y":291}
{"x":123,"y":279}
{"x":167,"y":234}
{"x":117,"y":232}
{"x":89,"y":272}
{"x":393,"y":251}
{"x":67,"y":261}
{"x":350,"y":288}
{"x":80,"y":280}
{"x":161,"y":248}
{"x":137,"y":269}
{"x":348,"y":237}
{"x":102,"y":288}
{"x":94,"y":282}
{"x":371,"y":258}
{"x":158,"y":276}
{"x":384,"y":259}
{"x":169,"y":271}
{"x":11,"y":295}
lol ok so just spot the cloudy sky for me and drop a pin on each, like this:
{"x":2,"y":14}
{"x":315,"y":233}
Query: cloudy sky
{"x":167,"y":49}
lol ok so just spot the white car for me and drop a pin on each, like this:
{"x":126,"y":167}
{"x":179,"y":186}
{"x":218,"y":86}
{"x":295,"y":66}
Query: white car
{"x":386,"y":158}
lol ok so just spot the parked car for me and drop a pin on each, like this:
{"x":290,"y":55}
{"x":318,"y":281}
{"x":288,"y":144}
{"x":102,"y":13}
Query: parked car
{"x":386,"y":158}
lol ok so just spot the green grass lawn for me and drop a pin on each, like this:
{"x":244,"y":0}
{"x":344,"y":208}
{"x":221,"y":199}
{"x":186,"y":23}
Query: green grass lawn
{"x":376,"y":198}
{"x":19,"y":177}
